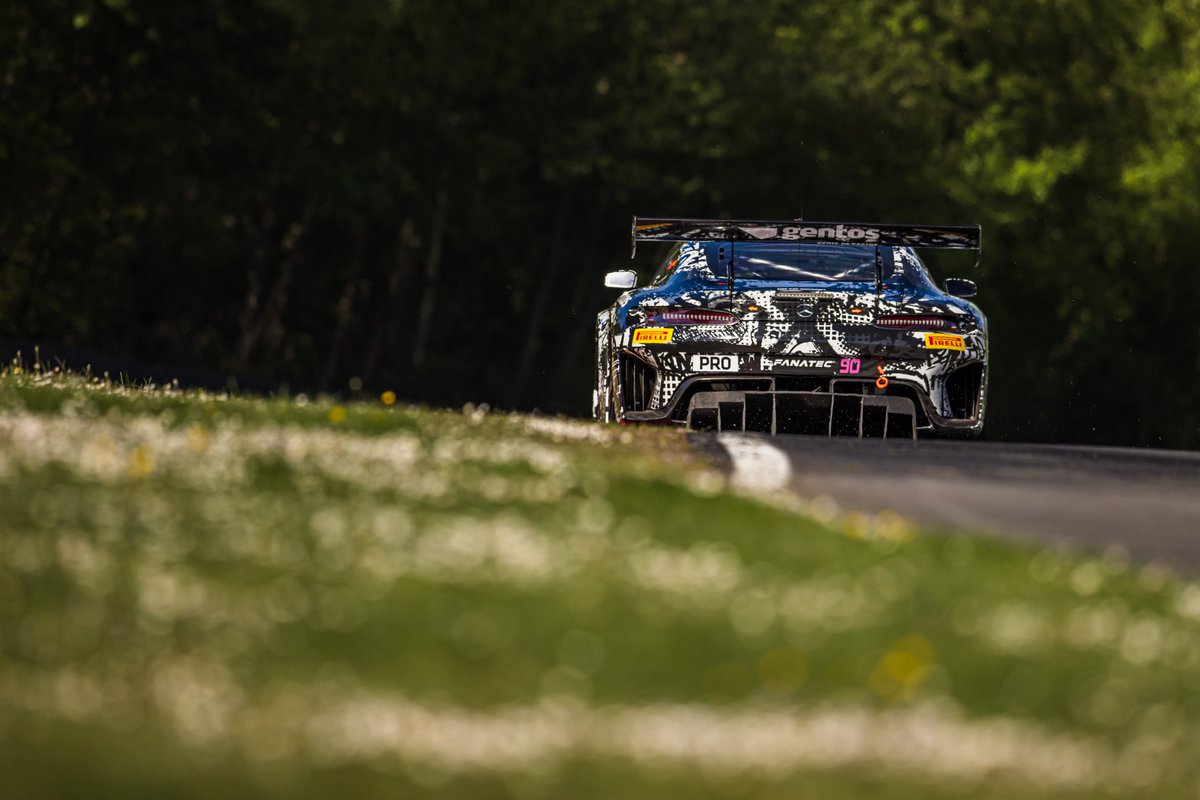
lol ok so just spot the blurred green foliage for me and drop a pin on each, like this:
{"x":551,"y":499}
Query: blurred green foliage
{"x":425,"y":193}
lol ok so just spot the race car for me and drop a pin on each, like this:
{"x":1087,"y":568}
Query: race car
{"x":826,"y":328}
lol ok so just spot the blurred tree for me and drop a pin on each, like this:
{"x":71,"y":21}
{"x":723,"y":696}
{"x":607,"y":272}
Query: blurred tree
{"x":425,"y":193}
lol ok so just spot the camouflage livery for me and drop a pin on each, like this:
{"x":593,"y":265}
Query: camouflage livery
{"x":815,"y":342}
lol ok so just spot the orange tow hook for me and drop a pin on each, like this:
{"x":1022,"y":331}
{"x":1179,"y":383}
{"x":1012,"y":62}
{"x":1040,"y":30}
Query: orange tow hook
{"x":881,"y":382}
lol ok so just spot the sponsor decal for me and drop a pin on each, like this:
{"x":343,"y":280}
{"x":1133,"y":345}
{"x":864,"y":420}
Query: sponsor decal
{"x":797,"y":363}
{"x":830,"y":233}
{"x":717,"y":362}
{"x":944,"y":341}
{"x":653,"y":335}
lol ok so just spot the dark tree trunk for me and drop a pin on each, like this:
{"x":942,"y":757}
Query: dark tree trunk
{"x":263,"y":311}
{"x":386,"y":331}
{"x":433,"y":266}
{"x":345,"y":307}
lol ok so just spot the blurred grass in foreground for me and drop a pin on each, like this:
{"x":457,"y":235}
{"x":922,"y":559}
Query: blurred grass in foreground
{"x":205,"y":597}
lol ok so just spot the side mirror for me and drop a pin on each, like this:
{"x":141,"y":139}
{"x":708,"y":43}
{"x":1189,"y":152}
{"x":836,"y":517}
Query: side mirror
{"x":621,"y":279}
{"x":961,"y":287}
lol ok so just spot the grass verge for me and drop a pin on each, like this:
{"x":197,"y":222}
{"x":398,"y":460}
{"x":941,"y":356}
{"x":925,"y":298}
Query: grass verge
{"x":205,"y":596}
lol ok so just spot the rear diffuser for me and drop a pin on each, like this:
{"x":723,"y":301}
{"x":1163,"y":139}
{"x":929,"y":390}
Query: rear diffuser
{"x":812,"y":413}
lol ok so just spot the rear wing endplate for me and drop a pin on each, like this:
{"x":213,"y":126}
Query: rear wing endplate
{"x":654,"y":229}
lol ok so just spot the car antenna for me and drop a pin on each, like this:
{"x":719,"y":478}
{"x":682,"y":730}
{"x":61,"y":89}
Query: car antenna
{"x":878,"y":278}
{"x":729,"y":272}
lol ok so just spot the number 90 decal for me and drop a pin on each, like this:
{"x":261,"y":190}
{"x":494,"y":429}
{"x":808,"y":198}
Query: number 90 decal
{"x":850,"y":366}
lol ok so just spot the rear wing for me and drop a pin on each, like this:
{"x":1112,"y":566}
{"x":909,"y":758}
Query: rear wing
{"x":654,"y":229}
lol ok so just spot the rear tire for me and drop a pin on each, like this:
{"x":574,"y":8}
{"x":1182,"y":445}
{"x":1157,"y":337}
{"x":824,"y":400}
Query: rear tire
{"x":602,"y":393}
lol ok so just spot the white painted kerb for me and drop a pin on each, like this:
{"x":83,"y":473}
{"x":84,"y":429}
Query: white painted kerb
{"x":758,"y":465}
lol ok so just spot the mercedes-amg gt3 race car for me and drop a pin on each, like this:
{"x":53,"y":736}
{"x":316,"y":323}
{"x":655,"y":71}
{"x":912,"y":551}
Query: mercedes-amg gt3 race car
{"x":795,"y":327}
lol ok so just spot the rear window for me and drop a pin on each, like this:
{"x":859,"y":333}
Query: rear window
{"x":806,"y":262}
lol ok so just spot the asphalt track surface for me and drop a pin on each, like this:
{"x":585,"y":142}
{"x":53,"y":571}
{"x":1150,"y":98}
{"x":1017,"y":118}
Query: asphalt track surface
{"x":1146,"y":501}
